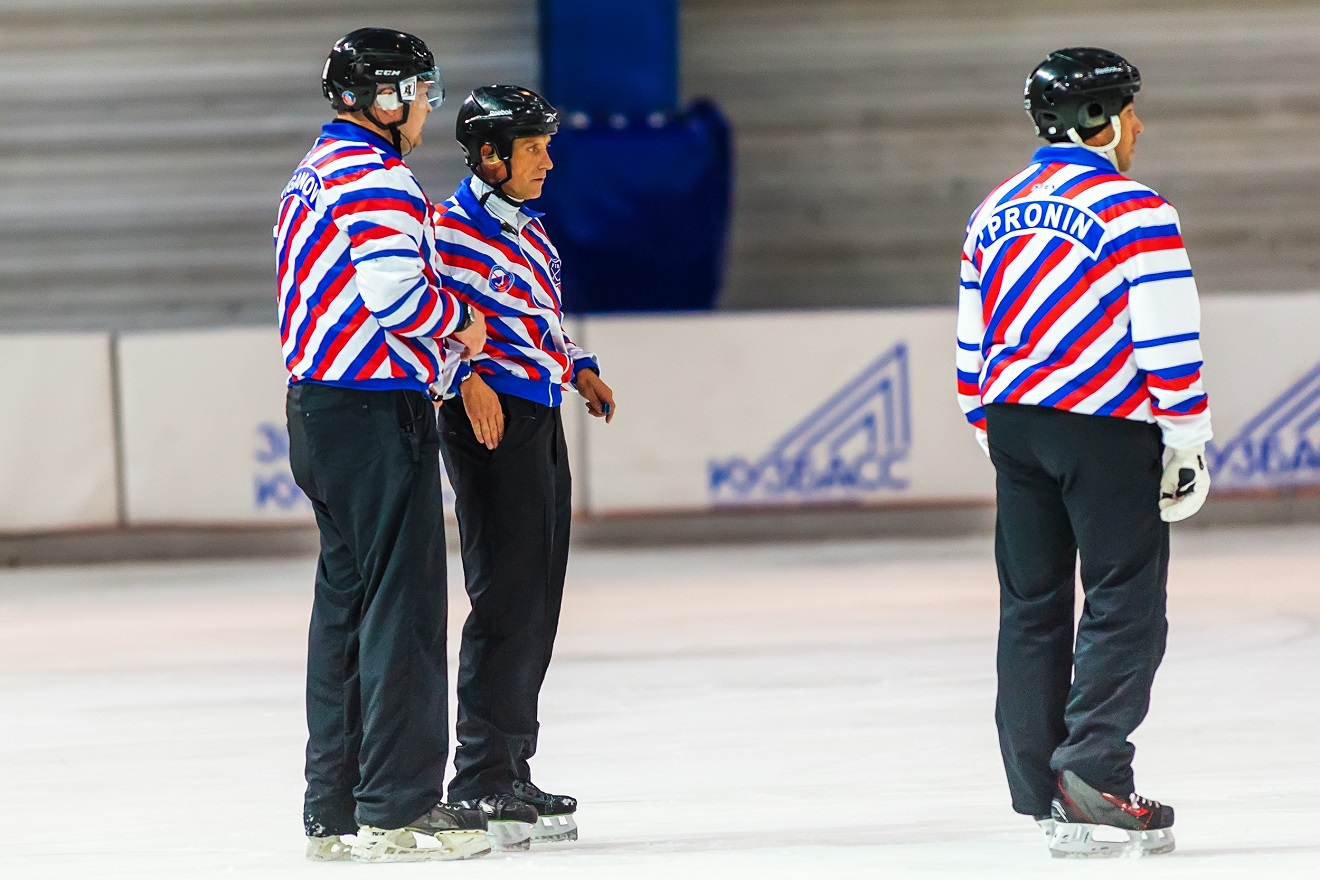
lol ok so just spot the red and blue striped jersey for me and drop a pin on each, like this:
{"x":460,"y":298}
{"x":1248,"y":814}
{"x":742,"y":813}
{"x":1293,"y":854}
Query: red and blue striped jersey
{"x":360,"y":302}
{"x":499,"y":259}
{"x":1077,"y":294}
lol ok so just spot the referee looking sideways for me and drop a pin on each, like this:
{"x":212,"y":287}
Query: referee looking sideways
{"x":362,"y":316}
{"x":504,"y":450}
{"x":1079,"y":364}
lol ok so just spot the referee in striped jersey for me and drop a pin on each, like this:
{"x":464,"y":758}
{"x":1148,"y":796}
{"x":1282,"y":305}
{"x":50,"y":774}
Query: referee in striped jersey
{"x":364,"y":321}
{"x":1079,"y":367}
{"x":504,"y":450}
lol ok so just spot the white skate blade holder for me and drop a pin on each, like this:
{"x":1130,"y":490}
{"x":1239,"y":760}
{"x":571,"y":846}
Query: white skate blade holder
{"x":334,"y":848}
{"x":560,"y":828}
{"x":402,"y":845}
{"x":505,"y":835}
{"x":1076,"y":840}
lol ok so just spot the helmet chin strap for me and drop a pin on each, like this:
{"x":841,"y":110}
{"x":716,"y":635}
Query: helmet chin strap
{"x":497,"y":188}
{"x":1109,"y":150}
{"x":396,"y":136}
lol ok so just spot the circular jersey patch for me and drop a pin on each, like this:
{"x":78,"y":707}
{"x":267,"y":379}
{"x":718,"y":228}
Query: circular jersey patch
{"x":500,"y":279}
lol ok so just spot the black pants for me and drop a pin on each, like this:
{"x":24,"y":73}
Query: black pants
{"x":514,"y":506}
{"x":377,"y":706}
{"x":1070,"y":485}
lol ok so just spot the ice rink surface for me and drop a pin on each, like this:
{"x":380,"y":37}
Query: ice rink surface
{"x":802,"y":710}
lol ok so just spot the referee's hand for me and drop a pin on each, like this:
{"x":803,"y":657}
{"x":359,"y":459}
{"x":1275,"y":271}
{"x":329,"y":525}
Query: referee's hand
{"x":483,"y":410}
{"x":1184,"y":485}
{"x":599,"y":397}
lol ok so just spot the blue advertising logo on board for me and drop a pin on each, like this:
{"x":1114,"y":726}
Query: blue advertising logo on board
{"x":845,"y":450}
{"x":1278,"y":448}
{"x":273,"y":485}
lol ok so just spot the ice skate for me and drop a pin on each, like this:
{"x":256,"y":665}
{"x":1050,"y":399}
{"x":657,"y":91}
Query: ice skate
{"x":509,"y":820}
{"x":557,"y":822}
{"x":1091,"y":824}
{"x":444,"y":833}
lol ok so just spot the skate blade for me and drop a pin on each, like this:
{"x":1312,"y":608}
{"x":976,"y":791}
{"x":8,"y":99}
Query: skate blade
{"x":1075,"y":840}
{"x":402,"y":845}
{"x":555,"y":829}
{"x":507,"y":836}
{"x":334,"y":848}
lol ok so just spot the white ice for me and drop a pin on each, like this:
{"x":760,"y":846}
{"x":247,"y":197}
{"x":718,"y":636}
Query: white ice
{"x":803,"y":711}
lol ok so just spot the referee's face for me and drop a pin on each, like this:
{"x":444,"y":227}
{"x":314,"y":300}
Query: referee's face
{"x":418,"y":111}
{"x":1127,"y":142}
{"x":529,"y":163}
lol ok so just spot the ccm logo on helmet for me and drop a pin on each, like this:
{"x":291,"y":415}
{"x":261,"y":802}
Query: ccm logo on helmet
{"x":397,"y":72}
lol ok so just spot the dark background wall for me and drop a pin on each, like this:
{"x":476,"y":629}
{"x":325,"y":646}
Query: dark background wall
{"x":145,"y":141}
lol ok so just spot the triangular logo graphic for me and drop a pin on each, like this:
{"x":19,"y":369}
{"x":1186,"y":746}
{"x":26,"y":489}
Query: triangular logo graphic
{"x":845,"y":450}
{"x":1279,"y":448}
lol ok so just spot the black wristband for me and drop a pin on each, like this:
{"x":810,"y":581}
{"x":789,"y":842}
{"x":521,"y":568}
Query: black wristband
{"x":467,"y":317}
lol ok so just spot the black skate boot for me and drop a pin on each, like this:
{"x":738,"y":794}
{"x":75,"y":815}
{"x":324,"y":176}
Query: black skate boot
{"x":509,"y":820}
{"x":443,"y":833}
{"x":1091,"y":823}
{"x":326,"y":844}
{"x":558,"y":824}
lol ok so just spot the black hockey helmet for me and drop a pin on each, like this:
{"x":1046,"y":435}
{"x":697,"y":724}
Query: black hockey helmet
{"x":1078,"y":88}
{"x":499,"y":115}
{"x":368,"y":58}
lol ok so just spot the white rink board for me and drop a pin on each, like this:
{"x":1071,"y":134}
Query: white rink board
{"x":718,"y":410}
{"x":715,"y":411}
{"x":205,"y":433}
{"x":57,"y":436}
{"x":709,"y":400}
{"x":1262,"y":372}
{"x":204,"y":429}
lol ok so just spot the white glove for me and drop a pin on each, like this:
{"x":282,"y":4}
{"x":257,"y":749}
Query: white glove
{"x":984,"y":439}
{"x":1184,"y":485}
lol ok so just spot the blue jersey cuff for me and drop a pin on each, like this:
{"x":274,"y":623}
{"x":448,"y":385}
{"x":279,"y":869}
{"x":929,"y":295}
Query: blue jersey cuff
{"x":584,"y":364}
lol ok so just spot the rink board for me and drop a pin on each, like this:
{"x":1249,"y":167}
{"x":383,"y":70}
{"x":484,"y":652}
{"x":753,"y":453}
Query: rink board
{"x":204,"y":429}
{"x":1262,"y":372}
{"x":859,"y":408}
{"x":782,"y":409}
{"x":57,"y":434}
{"x":715,"y":411}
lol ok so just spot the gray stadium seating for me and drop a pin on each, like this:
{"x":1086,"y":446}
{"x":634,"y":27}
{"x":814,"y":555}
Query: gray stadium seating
{"x":145,"y":141}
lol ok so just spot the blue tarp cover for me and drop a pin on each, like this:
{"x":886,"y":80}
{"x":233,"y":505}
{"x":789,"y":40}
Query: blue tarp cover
{"x":640,"y":213}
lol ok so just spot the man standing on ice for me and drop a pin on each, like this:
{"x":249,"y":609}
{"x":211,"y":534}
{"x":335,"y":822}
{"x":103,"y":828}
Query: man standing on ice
{"x":504,"y":450}
{"x":1079,"y":366}
{"x":363,"y":322}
